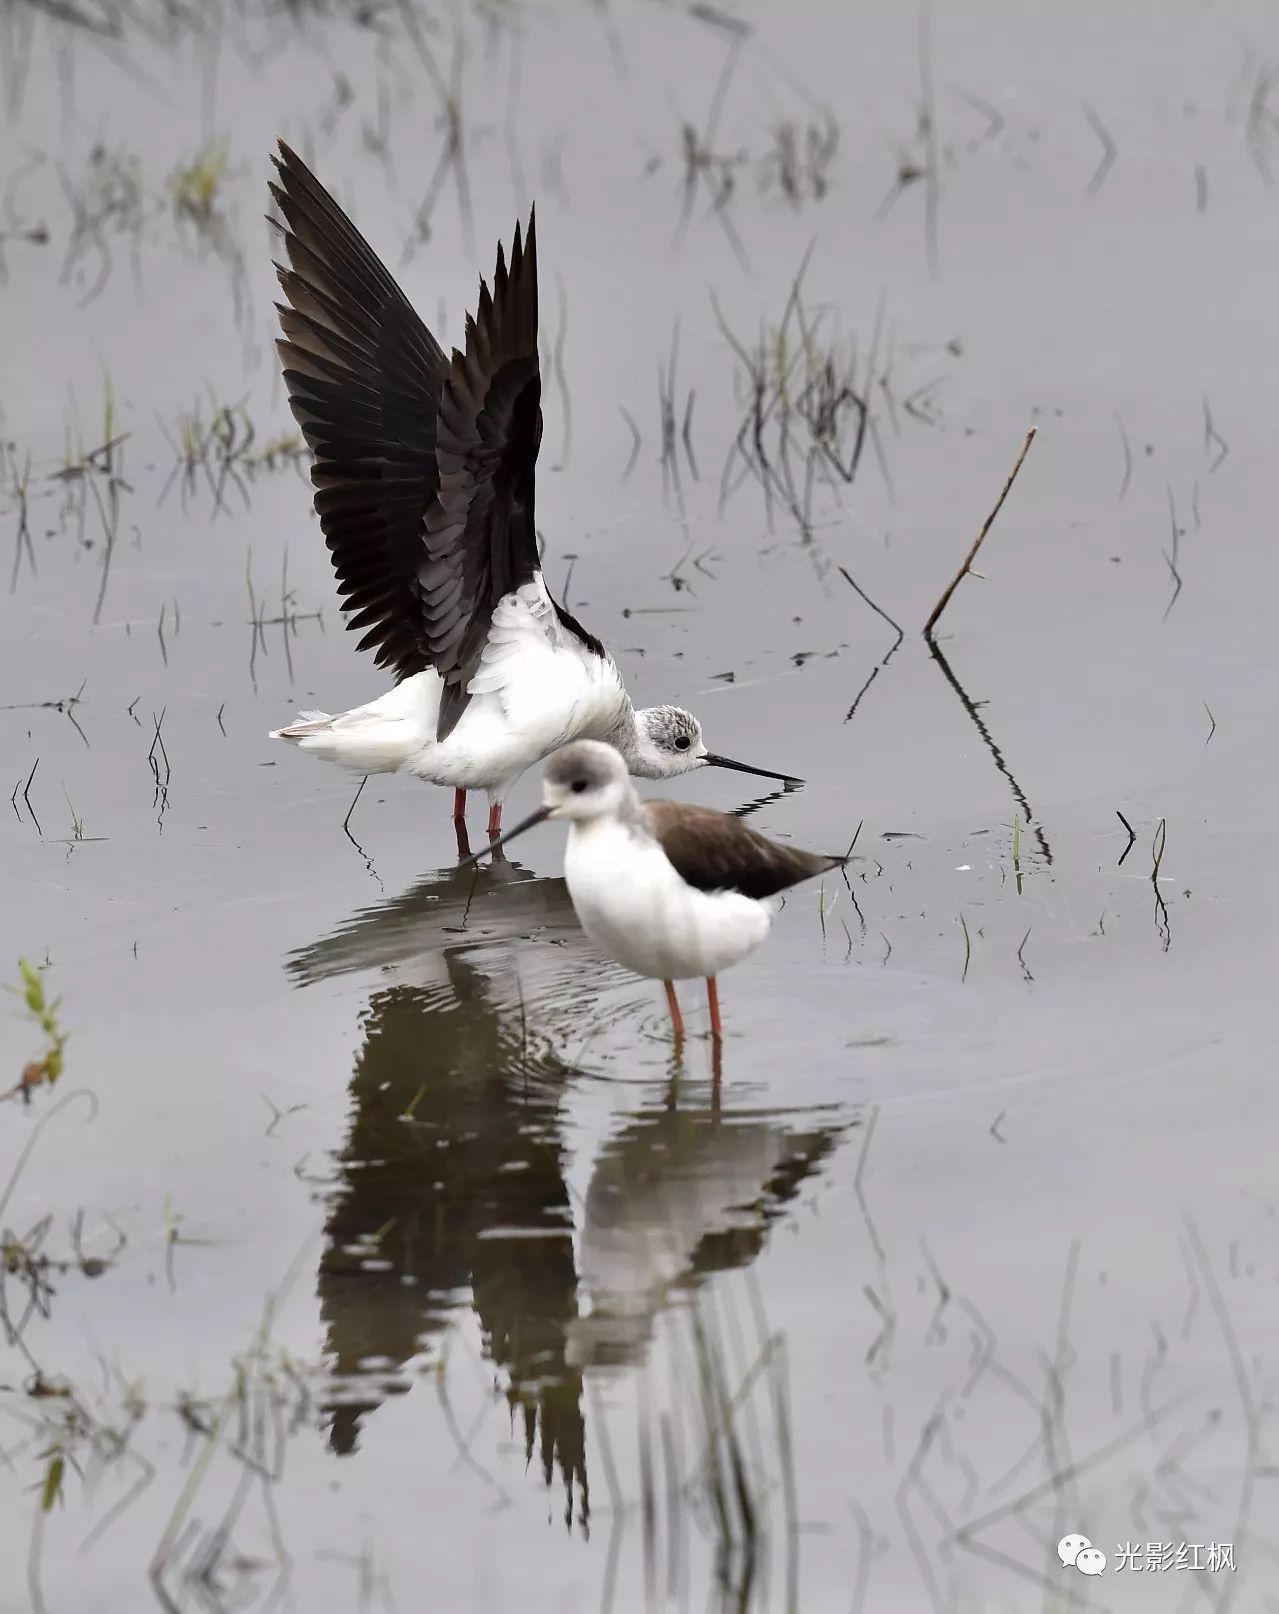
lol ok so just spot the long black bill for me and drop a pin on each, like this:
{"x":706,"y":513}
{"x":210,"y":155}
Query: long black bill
{"x":539,"y":817}
{"x":713,"y":761}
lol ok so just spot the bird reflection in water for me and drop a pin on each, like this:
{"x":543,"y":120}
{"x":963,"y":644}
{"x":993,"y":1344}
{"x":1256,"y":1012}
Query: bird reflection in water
{"x":675,"y":1195}
{"x":451,"y":1185}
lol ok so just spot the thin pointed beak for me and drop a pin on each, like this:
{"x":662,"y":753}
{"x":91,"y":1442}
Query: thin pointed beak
{"x":533,"y":819}
{"x":712,"y":761}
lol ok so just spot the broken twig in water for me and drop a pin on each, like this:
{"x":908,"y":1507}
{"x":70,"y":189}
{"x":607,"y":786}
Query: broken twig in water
{"x":878,"y":610}
{"x":1163,"y":925}
{"x":896,"y":644}
{"x":980,"y":539}
{"x":1132,"y":836}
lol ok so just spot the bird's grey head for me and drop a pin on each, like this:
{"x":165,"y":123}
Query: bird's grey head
{"x":586,"y":780}
{"x":668,"y":741}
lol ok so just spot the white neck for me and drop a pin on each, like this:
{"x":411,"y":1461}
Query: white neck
{"x":623,"y":733}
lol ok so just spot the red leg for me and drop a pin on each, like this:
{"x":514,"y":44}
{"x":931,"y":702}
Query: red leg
{"x":712,"y":997}
{"x":495,"y":820}
{"x":672,"y":1003}
{"x":459,"y":807}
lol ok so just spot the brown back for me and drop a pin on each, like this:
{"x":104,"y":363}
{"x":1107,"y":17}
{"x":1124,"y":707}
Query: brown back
{"x":714,"y":852}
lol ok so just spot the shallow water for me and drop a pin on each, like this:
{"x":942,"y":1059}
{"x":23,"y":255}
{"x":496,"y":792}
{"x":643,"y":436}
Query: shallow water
{"x":428,"y":1273}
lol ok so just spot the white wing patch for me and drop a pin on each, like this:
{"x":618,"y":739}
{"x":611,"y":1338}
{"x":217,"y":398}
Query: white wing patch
{"x":524,"y":628}
{"x":547,"y":686}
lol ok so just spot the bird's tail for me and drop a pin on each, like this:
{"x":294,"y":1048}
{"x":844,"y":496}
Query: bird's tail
{"x":366,"y":740}
{"x":305,"y":723}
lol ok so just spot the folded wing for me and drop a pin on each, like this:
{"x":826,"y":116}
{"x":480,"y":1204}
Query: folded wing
{"x":714,"y":852}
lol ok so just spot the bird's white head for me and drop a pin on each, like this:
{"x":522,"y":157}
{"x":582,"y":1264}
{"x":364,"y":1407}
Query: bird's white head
{"x":668,"y":741}
{"x":587,"y":780}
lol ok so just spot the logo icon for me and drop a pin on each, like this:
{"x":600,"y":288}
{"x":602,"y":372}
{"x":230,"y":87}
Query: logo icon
{"x":1079,"y":1551}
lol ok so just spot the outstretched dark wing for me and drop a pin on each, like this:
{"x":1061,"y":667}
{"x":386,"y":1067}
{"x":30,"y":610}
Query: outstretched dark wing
{"x":364,"y":377}
{"x":714,"y":852}
{"x":480,"y":540}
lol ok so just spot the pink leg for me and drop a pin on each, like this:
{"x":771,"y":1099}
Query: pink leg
{"x":495,"y":820}
{"x":712,"y":998}
{"x":672,"y":1003}
{"x":459,"y":824}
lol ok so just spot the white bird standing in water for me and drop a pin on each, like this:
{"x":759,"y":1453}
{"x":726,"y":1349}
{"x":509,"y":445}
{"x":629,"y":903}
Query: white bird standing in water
{"x":424,"y":477}
{"x":673,"y":892}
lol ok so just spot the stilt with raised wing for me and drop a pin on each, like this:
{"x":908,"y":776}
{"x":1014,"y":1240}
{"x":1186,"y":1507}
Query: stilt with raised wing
{"x":424,"y":479}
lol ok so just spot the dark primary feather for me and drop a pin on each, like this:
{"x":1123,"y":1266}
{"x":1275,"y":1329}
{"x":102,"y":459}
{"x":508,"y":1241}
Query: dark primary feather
{"x":714,"y":852}
{"x":364,"y":377}
{"x":480,"y":538}
{"x":424,"y":468}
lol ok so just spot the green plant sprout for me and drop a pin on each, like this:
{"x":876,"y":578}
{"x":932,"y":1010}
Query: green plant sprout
{"x":44,"y":1011}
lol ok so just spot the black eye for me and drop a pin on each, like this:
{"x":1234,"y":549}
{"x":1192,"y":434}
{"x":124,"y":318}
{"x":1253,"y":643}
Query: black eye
{"x":683,"y":743}
{"x":578,"y":786}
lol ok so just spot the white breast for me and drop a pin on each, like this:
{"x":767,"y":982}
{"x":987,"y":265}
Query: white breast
{"x":634,"y":906}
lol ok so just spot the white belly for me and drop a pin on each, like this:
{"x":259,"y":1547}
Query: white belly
{"x":500,"y":735}
{"x":634,"y":906}
{"x":536,"y":688}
